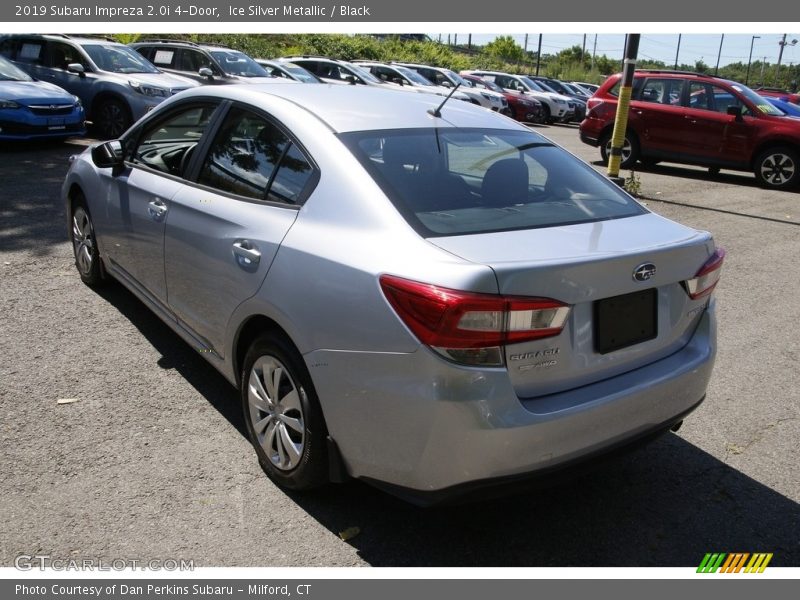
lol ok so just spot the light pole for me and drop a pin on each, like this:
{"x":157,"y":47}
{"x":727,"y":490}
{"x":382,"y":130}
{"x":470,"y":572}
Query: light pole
{"x":750,"y":59}
{"x":719,"y":54}
{"x":783,"y":43}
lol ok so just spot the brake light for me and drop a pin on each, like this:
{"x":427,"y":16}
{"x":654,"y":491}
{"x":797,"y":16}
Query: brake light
{"x":592,"y":103}
{"x":707,"y":277}
{"x":471,"y":328}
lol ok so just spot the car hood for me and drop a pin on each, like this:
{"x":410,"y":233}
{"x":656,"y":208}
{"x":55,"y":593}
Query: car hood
{"x":34,"y":92}
{"x":251,"y":80}
{"x":162,"y":80}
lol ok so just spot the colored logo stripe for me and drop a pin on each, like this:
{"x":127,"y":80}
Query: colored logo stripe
{"x":733,"y":563}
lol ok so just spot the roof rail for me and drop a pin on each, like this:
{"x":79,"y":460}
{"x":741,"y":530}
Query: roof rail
{"x":90,"y":36}
{"x":310,"y":56}
{"x":674,"y":72}
{"x":165,"y":41}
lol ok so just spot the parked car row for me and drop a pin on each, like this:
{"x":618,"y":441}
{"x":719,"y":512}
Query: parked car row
{"x":698,"y":119}
{"x":118,"y":84}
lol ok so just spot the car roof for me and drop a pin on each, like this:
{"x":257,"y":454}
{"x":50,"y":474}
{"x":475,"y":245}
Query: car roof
{"x":358,"y":108}
{"x":58,"y":37}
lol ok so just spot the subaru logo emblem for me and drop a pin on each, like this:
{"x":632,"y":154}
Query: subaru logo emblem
{"x":644,"y":271}
{"x":53,"y":107}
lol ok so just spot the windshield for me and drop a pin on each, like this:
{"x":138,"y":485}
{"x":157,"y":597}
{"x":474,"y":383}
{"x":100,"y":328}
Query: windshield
{"x":363,"y":73}
{"x":300,"y":74}
{"x":532,"y":85}
{"x":762,"y":104}
{"x":413,"y":76}
{"x":118,"y":59}
{"x":8,"y":72}
{"x":238,"y":63}
{"x":491,"y":85}
{"x":547,"y":87}
{"x":464,"y":181}
{"x":456,"y":78}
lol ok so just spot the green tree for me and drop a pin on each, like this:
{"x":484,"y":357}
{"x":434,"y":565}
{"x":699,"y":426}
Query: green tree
{"x":504,"y":48}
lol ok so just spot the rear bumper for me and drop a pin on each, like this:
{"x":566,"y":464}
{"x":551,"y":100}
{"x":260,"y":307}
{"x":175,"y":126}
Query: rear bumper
{"x":588,"y":139}
{"x":429,"y":429}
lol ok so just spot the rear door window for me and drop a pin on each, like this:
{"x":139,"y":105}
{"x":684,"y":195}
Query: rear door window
{"x":254,"y":158}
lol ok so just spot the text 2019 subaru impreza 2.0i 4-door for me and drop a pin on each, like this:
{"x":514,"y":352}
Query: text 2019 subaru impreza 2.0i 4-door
{"x":426,"y":300}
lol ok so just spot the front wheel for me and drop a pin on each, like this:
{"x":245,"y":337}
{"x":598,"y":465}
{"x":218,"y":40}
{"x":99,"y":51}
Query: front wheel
{"x":778,"y":168}
{"x":630,"y":150}
{"x":112,"y":119}
{"x":283,"y":416}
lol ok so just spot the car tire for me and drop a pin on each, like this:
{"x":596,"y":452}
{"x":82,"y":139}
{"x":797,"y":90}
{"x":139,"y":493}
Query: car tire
{"x":282,"y":414}
{"x":111,"y":118}
{"x":778,"y":168}
{"x":84,"y":244}
{"x":546,"y":118}
{"x":630,"y":150}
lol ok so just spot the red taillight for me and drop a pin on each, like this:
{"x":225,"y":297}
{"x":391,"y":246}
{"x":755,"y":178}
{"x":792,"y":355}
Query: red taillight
{"x":468,"y":327}
{"x":707,"y":277}
{"x":593,"y":103}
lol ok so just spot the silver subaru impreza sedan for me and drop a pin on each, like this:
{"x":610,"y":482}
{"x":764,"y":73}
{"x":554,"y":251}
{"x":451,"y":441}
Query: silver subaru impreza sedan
{"x":429,"y":299}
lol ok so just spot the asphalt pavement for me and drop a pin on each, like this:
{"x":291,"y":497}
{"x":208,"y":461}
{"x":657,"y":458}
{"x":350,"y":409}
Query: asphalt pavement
{"x":145,"y":455}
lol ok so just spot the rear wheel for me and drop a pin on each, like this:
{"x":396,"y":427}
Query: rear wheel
{"x":283,"y":416}
{"x":84,"y":244}
{"x":111,"y":118}
{"x":630,"y":150}
{"x":778,"y":168}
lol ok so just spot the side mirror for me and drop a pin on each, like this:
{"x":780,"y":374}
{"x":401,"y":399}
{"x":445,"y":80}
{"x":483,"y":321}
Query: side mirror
{"x":109,"y":156}
{"x":735,"y":111}
{"x":76,"y":68}
{"x":350,"y":79}
{"x":206,"y":72}
{"x":446,"y":84}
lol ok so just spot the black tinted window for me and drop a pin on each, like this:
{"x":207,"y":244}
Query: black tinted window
{"x":453,"y":182}
{"x":252,"y":157}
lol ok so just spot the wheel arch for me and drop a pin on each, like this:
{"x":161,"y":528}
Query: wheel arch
{"x":248,"y":331}
{"x":105,"y":95}
{"x":778,"y":142}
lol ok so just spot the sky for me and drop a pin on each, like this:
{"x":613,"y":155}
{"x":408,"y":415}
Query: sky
{"x":735,"y":47}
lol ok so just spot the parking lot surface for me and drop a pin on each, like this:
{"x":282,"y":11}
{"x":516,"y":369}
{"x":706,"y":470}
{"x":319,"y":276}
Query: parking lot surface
{"x":146,"y":457}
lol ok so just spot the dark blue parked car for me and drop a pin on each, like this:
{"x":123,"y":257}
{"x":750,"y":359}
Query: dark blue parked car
{"x":32,"y":109}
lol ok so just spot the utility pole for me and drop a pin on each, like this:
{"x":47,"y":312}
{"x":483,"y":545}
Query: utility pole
{"x":539,"y":55}
{"x":623,"y":103}
{"x":583,"y":51}
{"x":719,"y":54}
{"x":750,"y":58}
{"x":594,"y":51}
{"x":469,"y":41}
{"x":678,"y":51}
{"x":783,"y":43}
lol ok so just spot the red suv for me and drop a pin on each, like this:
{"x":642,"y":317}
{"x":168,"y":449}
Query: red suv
{"x":701,"y":120}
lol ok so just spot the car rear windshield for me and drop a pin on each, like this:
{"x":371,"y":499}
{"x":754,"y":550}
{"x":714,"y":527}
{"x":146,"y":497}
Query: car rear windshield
{"x":462,"y":181}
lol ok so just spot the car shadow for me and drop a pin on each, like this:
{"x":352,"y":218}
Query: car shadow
{"x":664,"y":504}
{"x":32,"y":219}
{"x":743,"y":178}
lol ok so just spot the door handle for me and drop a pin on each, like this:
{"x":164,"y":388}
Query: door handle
{"x":247,"y":255}
{"x":157,"y":209}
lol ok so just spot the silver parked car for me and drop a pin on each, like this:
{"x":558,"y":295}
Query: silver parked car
{"x":427,"y":300}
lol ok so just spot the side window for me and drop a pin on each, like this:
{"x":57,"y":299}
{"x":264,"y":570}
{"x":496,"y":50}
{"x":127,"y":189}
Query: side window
{"x":252,"y":157}
{"x":60,"y":55}
{"x":653,"y":91}
{"x":724,"y":98}
{"x":165,"y":58}
{"x":7,"y":48}
{"x":700,"y":96}
{"x":293,"y":174}
{"x":168,"y":144}
{"x":192,"y":61}
{"x":31,"y":53}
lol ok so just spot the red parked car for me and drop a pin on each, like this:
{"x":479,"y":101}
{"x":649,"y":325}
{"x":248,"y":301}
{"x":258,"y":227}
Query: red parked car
{"x":523,"y":108}
{"x":779,"y":93}
{"x":697,"y":119}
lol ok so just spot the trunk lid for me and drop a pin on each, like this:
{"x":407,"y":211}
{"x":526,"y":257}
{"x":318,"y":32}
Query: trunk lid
{"x":617,"y":323}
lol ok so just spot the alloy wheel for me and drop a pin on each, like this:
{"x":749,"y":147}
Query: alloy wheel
{"x":777,"y":168}
{"x":82,"y":241}
{"x":275,"y":410}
